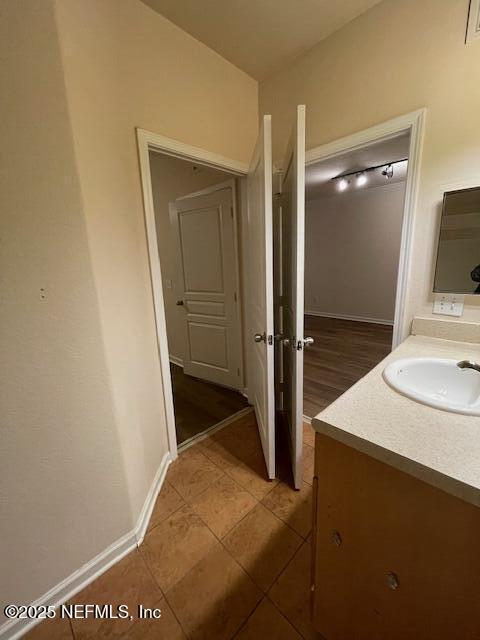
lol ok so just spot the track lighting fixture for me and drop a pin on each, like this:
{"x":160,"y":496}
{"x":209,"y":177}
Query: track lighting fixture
{"x":361,"y":177}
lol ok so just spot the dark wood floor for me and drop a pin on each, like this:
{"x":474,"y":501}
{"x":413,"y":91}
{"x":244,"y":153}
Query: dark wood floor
{"x":343,"y":352}
{"x":199,"y":404}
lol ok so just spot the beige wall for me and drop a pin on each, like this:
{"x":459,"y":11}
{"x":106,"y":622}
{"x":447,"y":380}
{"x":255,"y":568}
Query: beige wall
{"x":125,"y":67}
{"x":171,"y":179}
{"x":62,"y":479}
{"x":83,"y":408}
{"x":396,"y":58}
{"x":351,"y":252}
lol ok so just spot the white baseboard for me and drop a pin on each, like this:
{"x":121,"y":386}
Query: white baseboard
{"x":307,"y":419}
{"x":146,"y":512}
{"x":340,"y":316}
{"x":177,"y":361}
{"x":79,"y":579}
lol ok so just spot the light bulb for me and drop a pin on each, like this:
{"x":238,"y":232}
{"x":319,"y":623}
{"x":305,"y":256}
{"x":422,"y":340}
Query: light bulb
{"x":361,"y":179}
{"x":342,"y":184}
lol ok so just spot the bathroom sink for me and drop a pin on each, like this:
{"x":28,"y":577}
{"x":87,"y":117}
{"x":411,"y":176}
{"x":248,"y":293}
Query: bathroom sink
{"x":444,"y":384}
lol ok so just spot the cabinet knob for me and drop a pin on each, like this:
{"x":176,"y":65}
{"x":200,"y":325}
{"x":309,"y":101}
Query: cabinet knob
{"x":336,"y":538}
{"x":392,"y":580}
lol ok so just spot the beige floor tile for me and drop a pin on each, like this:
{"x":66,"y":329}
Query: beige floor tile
{"x":252,"y":476}
{"x":308,"y":434}
{"x":222,"y":505}
{"x":240,"y":439}
{"x":263,"y":545}
{"x":308,"y":463}
{"x":166,"y":627}
{"x":219,"y":453}
{"x":175,"y":546}
{"x":291,"y":592}
{"x":215,"y":598}
{"x":128,"y":582}
{"x":192,"y":473}
{"x":266,"y":622}
{"x":54,"y":629}
{"x":291,"y":506}
{"x":168,"y":501}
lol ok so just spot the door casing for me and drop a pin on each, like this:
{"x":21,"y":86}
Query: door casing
{"x":148,"y":141}
{"x":414,"y":124}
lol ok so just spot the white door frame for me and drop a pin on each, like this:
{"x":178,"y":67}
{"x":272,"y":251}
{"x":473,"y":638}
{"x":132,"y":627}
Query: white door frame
{"x":148,"y":141}
{"x":413,"y":123}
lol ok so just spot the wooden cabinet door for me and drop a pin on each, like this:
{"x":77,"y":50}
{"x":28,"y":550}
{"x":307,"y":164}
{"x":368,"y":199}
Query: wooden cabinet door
{"x":377,"y":529}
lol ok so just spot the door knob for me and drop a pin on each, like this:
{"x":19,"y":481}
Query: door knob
{"x":180,"y":303}
{"x":308,"y":341}
{"x":260,"y":337}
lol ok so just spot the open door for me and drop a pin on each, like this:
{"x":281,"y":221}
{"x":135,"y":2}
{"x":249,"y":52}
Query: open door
{"x":291,"y":219}
{"x":260,"y":268}
{"x":205,"y":226}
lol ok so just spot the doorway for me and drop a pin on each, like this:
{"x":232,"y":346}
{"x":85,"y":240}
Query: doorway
{"x":360,"y":194}
{"x":197,"y":229}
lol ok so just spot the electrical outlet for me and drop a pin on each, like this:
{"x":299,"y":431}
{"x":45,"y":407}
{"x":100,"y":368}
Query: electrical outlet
{"x":449,"y":304}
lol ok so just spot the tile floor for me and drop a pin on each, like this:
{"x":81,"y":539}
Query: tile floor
{"x":226,"y":555}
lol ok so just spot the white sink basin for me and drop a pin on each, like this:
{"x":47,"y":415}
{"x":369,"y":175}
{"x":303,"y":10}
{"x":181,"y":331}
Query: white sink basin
{"x":436,"y":382}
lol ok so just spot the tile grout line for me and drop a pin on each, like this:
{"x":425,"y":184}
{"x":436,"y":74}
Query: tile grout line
{"x":248,"y":617}
{"x":224,"y":472}
{"x":281,"y":570}
{"x":271,"y":600}
{"x":294,"y":626}
{"x":164,"y":595}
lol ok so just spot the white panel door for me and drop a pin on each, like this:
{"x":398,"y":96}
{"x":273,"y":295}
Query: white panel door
{"x":292,"y":256}
{"x":260,"y":268}
{"x":206,"y":231}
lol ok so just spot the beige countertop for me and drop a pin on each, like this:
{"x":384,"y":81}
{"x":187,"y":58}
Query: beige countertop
{"x":435,"y":446}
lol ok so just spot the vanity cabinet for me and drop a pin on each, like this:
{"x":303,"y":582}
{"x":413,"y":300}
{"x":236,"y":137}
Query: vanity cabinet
{"x":394,"y":558}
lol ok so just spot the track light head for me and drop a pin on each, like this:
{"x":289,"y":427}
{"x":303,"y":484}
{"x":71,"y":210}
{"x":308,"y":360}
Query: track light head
{"x":342,"y":184}
{"x":361,"y":179}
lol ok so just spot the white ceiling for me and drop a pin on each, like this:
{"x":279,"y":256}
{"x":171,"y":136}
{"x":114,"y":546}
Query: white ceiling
{"x":260,"y":36}
{"x":318,"y":177}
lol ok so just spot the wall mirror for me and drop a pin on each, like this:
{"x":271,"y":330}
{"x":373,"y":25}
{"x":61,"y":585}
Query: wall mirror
{"x":458,"y":256}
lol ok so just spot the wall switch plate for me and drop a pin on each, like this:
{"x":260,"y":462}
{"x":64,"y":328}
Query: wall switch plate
{"x":448,"y":304}
{"x":168,"y":283}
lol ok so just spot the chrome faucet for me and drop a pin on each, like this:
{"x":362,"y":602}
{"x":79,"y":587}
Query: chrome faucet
{"x":468,"y":364}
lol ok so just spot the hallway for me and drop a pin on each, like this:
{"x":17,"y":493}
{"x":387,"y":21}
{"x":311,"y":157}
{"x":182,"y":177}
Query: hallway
{"x":227,"y":553}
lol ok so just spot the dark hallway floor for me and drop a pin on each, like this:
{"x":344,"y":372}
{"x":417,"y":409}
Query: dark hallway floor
{"x":199,"y":404}
{"x":343,"y":352}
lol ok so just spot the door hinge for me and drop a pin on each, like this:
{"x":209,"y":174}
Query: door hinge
{"x":238,"y":371}
{"x":231,"y":212}
{"x":235,"y":296}
{"x":270,"y":339}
